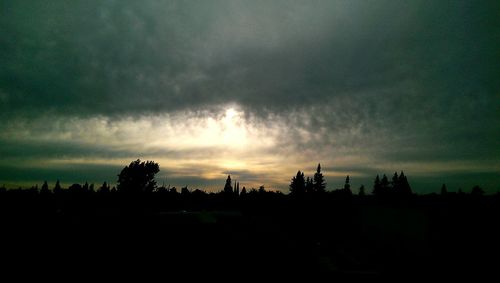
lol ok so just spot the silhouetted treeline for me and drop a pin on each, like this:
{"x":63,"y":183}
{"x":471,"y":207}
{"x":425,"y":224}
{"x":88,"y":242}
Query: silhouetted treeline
{"x":383,"y":231}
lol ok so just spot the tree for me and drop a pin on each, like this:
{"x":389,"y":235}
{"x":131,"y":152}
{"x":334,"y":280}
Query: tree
{"x":298,"y":185}
{"x":444,"y":190}
{"x":404,"y":187}
{"x":237,"y":190}
{"x":228,"y":189}
{"x":309,"y":185}
{"x":377,"y":189}
{"x":57,"y":188}
{"x":362,"y":190}
{"x":477,"y":191}
{"x":384,"y":185}
{"x":104,"y":189}
{"x":138,"y":177}
{"x":396,"y":185}
{"x":347,"y":185}
{"x":319,"y":181}
{"x":45,"y":189}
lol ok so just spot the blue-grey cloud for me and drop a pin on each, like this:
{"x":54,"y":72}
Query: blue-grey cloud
{"x":392,"y":83}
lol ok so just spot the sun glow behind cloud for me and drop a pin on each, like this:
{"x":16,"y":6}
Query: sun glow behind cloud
{"x":201,"y":144}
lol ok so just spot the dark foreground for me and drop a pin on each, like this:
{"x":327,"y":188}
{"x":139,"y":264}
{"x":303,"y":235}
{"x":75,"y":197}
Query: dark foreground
{"x":348,"y":237}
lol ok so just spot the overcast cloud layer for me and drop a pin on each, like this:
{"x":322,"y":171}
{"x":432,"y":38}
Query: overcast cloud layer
{"x":257,"y":89}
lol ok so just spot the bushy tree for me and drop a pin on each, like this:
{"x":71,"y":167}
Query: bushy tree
{"x":361,"y":190}
{"x":45,"y":189}
{"x":138,"y":177}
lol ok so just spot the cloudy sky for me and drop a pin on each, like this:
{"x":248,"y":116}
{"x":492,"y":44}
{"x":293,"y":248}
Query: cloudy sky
{"x":255,"y":89}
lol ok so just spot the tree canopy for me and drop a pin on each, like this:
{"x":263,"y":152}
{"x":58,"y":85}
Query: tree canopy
{"x":138,"y":177}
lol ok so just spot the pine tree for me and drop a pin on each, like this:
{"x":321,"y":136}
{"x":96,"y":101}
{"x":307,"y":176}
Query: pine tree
{"x":228,"y":189}
{"x":347,"y":186}
{"x":57,"y":188}
{"x":377,"y":189}
{"x":298,"y":186}
{"x":361,"y":190}
{"x":404,"y":186}
{"x":309,"y":185}
{"x":384,"y":185}
{"x":319,"y":184}
{"x":444,"y":190}
{"x":396,"y":187}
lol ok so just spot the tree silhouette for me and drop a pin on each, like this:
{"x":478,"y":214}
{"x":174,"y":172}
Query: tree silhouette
{"x":228,"y":188}
{"x":57,"y":188}
{"x":403,"y":185}
{"x":477,"y":191}
{"x":237,"y":190}
{"x":45,"y":189}
{"x":377,"y":189}
{"x":319,"y":184}
{"x":444,"y":191}
{"x":362,"y":190}
{"x":347,"y":186}
{"x":104,"y":188}
{"x":384,"y":185}
{"x":138,"y":177}
{"x":396,"y":185}
{"x":298,"y":185}
{"x":309,"y":185}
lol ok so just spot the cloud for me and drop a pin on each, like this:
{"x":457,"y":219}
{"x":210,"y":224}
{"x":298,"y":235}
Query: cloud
{"x":351,"y":84}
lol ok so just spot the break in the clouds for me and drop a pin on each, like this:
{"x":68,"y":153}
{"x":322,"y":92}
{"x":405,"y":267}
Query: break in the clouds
{"x":258,"y":89}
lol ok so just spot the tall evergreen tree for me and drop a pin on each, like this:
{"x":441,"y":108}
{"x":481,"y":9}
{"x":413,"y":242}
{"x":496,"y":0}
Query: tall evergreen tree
{"x":319,"y":184}
{"x":395,"y":183}
{"x":57,"y":188}
{"x":444,"y":190}
{"x":228,"y":189}
{"x":404,"y":186}
{"x":298,"y":186}
{"x":309,"y":185}
{"x":384,"y":185}
{"x":377,"y":189}
{"x":347,"y":186}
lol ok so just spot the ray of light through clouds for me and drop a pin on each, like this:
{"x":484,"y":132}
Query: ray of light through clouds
{"x":255,"y":89}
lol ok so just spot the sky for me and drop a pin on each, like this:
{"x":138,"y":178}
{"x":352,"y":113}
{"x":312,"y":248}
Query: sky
{"x":255,"y":89}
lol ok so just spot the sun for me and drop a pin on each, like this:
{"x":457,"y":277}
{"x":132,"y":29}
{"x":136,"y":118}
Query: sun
{"x":230,"y":114}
